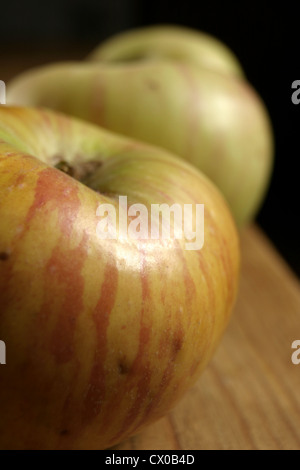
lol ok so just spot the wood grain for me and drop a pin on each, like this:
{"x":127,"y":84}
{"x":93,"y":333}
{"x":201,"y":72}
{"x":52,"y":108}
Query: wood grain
{"x":249,"y":395}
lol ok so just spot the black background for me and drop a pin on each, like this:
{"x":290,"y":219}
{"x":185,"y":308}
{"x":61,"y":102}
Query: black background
{"x":262,"y":35}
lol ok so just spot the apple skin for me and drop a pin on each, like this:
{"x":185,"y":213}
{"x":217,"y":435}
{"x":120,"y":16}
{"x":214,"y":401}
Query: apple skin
{"x":102,"y":336}
{"x":169,"y":42}
{"x":216,"y":122}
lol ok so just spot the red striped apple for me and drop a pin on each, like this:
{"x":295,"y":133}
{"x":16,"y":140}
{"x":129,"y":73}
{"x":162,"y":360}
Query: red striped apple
{"x":102,"y":336}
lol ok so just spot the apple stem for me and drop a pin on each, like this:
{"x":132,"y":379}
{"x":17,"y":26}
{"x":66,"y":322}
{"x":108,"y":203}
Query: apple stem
{"x":81,"y":171}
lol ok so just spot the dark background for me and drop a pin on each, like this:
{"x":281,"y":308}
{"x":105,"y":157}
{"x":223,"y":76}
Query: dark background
{"x":262,"y":35}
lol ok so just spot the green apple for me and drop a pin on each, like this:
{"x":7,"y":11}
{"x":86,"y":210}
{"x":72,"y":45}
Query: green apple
{"x":169,"y":41}
{"x":102,"y":336}
{"x":214,"y":121}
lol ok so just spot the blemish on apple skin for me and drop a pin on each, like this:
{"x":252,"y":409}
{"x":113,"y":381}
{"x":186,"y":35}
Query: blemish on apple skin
{"x":64,"y":432}
{"x":4,"y":255}
{"x":123,"y":368}
{"x":177,"y":344}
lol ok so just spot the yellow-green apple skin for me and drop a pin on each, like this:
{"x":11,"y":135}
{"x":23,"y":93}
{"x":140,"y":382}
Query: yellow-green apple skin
{"x":214,"y":121}
{"x":169,"y":41}
{"x":102,"y":336}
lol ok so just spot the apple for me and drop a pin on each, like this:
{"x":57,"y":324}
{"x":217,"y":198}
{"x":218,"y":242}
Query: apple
{"x":214,"y":121}
{"x":169,"y":41}
{"x":103,"y":336}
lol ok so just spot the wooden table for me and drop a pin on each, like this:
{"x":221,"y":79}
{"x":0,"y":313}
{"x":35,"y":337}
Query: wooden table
{"x":249,"y":395}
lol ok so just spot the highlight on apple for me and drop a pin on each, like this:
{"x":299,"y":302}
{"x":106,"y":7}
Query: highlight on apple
{"x":166,"y":222}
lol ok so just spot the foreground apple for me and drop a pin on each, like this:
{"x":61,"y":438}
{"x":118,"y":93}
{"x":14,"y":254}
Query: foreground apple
{"x":214,"y":121}
{"x":169,"y":41}
{"x":102,"y":336}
